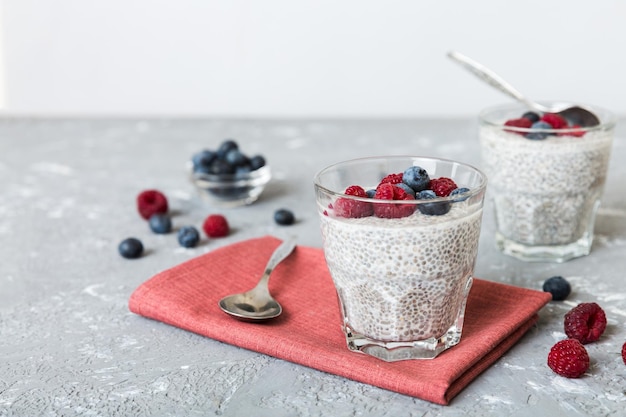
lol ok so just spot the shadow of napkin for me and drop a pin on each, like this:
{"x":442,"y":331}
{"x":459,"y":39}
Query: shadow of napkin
{"x":309,"y":331}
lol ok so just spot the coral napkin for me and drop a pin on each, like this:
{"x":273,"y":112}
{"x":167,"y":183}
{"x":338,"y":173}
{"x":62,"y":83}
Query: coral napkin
{"x":309,"y":332}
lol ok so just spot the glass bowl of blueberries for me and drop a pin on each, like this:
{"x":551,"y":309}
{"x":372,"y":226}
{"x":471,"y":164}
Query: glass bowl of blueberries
{"x":227,"y":177}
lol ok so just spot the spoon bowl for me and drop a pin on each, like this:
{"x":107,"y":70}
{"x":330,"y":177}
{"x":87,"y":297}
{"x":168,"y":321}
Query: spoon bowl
{"x":258,"y":304}
{"x":574,"y":114}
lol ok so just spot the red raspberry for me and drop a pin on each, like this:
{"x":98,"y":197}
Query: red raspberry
{"x":442,"y":186}
{"x":387,"y":191}
{"x":345,"y":207}
{"x":554,"y":120}
{"x":624,"y":353}
{"x":568,"y":358}
{"x":578,"y":133}
{"x":392,"y":179}
{"x":215,"y":225}
{"x":151,"y":202}
{"x":585,"y":322}
{"x":521,"y":122}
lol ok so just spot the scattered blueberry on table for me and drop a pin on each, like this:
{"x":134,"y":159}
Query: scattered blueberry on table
{"x":130,"y":248}
{"x":284,"y":217}
{"x":558,"y":286}
{"x":160,"y":223}
{"x":188,"y":236}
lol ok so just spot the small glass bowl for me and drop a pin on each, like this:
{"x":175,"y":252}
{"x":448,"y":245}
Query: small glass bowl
{"x":231,"y":190}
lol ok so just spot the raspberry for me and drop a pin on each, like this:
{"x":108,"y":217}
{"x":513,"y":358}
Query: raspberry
{"x":392,"y":179}
{"x":151,"y":202}
{"x":554,"y":120}
{"x":442,"y":186}
{"x":387,"y":191}
{"x":345,"y":207}
{"x":568,"y":358}
{"x":522,"y":122}
{"x":624,"y":353}
{"x":576,"y":133}
{"x":585,"y":322}
{"x":215,"y":225}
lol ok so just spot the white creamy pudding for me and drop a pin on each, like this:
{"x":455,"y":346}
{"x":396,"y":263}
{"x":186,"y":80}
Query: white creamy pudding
{"x":545,"y":191}
{"x":403,"y":279}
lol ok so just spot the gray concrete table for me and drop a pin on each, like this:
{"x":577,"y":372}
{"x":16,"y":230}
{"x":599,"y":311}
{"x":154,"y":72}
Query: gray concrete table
{"x":70,"y":346}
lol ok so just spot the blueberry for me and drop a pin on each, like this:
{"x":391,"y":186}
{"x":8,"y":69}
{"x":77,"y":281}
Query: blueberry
{"x":257,"y":162}
{"x":558,"y":287}
{"x":371,"y":193}
{"x":225,"y":147}
{"x":188,"y":236}
{"x":406,"y":188}
{"x":416,"y":177}
{"x":432,"y":209}
{"x":202,"y":160}
{"x":130,"y":248}
{"x":222,"y":167}
{"x":539,"y":135}
{"x":284,"y":217}
{"x":236,"y":158}
{"x":532,"y":116}
{"x":160,"y":223}
{"x":460,"y":191}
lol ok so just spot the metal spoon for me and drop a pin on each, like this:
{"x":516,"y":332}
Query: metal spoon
{"x":258,"y":304}
{"x":574,"y":114}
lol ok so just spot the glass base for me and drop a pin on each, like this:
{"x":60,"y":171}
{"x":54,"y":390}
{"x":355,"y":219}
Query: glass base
{"x":545,"y":253}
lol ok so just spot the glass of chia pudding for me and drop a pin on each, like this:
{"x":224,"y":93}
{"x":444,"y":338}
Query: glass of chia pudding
{"x":400,"y":237}
{"x":546,"y":176}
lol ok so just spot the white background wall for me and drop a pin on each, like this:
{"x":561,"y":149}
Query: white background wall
{"x":290,"y":58}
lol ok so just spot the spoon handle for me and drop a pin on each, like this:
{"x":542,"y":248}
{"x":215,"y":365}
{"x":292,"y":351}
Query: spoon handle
{"x":280,"y":254}
{"x":490,"y":78}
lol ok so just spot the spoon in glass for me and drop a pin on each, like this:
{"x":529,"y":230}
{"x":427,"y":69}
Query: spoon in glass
{"x":574,"y":114}
{"x":257,"y":303}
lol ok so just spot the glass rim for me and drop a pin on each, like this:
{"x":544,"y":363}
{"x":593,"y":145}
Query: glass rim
{"x":608,"y":119}
{"x":455,"y":198}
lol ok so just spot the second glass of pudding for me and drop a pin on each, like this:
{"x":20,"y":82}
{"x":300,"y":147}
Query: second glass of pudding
{"x":546,"y":178}
{"x":402,"y":265}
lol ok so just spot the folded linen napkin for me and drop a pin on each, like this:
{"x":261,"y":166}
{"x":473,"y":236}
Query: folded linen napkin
{"x":309,"y":330}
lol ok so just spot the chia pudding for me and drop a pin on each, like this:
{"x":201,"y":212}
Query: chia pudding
{"x":402,"y":282}
{"x":545,"y":192}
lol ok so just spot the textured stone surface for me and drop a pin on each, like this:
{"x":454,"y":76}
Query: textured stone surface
{"x":69,"y":345}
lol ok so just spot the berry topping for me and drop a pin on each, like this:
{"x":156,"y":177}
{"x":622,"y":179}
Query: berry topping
{"x":284,"y":217}
{"x":568,"y":358}
{"x":586,"y":322}
{"x":160,"y":223}
{"x":432,"y":209}
{"x":554,"y":120}
{"x":532,"y":116}
{"x":540,"y":125}
{"x":558,"y":287}
{"x":416,"y":177}
{"x":442,"y":186}
{"x":522,"y":122}
{"x":387,"y":191}
{"x":130,"y":248}
{"x":460,"y":191}
{"x":188,"y":236}
{"x":392,"y":179}
{"x":345,"y":207}
{"x":151,"y":202}
{"x":406,"y":189}
{"x":215,"y":225}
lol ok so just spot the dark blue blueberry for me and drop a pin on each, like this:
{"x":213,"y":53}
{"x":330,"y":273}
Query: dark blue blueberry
{"x":532,"y":116}
{"x":539,"y":135}
{"x":243,"y":169}
{"x":225,"y":147}
{"x":130,"y":248}
{"x":432,"y":209}
{"x":188,"y":236}
{"x":416,"y":177}
{"x":406,"y":188}
{"x":160,"y":223}
{"x":202,"y":160}
{"x":284,"y":217}
{"x":371,"y":193}
{"x":222,"y":167}
{"x":558,"y":287}
{"x":257,"y":162}
{"x":459,"y":191}
{"x":236,"y":157}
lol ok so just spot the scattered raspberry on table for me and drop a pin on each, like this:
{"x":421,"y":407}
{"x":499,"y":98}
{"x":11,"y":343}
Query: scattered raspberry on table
{"x":215,"y":225}
{"x":568,"y":358}
{"x":586,"y":322}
